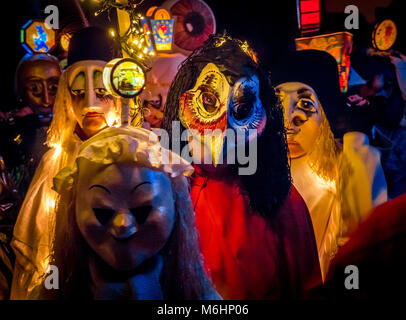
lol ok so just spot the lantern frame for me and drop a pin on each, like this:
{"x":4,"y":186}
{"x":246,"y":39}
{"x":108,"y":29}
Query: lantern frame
{"x":26,"y":43}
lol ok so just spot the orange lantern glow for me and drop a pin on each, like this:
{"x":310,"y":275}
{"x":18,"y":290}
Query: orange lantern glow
{"x":339,"y":45}
{"x":36,"y":37}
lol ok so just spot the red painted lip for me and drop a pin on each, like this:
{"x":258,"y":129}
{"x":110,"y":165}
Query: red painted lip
{"x":292,"y":142}
{"x":93,"y":114}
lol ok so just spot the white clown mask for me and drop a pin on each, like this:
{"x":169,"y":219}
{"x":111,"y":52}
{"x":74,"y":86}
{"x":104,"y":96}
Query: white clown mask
{"x":91,"y":102}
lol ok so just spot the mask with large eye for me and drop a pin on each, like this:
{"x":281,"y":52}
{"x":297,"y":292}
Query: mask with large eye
{"x":245,"y":110}
{"x":204,"y":109}
{"x":92,"y":106}
{"x":205,"y":106}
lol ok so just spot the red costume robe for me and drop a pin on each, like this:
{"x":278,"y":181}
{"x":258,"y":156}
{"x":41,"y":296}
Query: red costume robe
{"x":378,"y":249}
{"x":246,"y":257}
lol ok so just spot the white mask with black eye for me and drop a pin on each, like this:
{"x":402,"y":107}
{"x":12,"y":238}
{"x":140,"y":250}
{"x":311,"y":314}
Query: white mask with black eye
{"x":245,"y":109}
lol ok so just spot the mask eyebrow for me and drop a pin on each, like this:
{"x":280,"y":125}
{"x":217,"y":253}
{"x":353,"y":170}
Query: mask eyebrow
{"x":303,"y":91}
{"x":78,"y":77}
{"x":53,"y":79}
{"x":140,"y":184}
{"x":101,"y":187}
{"x":34,"y":78}
{"x":96,"y":74}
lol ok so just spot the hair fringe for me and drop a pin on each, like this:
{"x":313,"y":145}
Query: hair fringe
{"x":323,"y":157}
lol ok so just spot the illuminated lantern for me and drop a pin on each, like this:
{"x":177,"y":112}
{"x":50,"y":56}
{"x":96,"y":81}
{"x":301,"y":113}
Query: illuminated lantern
{"x":147,"y":31}
{"x":384,"y":35}
{"x":64,"y":41}
{"x":339,"y":45}
{"x":150,"y":11}
{"x":158,"y":28}
{"x":124,"y":78}
{"x":308,"y":12}
{"x":37,"y":38}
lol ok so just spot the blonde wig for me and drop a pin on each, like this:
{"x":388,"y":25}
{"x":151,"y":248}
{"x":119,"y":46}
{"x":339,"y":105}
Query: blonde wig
{"x":63,"y":125}
{"x":324,"y":155}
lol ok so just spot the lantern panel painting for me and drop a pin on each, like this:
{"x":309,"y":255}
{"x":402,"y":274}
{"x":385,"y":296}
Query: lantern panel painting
{"x":163,"y":34}
{"x":147,"y":32}
{"x":124,"y":78}
{"x":37,"y":38}
{"x":384,"y":35}
{"x":338,"y":44}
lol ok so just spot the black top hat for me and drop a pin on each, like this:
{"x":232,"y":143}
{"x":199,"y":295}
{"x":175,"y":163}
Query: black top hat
{"x":319,"y":70}
{"x":91,"y":43}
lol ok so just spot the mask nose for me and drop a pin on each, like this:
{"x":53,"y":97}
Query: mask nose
{"x":294,"y":118}
{"x":124,"y":225}
{"x":46,"y":102}
{"x":91,"y":98}
{"x":298,"y":119}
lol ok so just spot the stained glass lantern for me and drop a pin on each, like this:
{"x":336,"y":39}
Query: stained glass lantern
{"x":37,"y":38}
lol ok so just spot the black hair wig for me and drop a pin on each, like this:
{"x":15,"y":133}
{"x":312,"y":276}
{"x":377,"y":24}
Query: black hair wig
{"x":270,"y":185}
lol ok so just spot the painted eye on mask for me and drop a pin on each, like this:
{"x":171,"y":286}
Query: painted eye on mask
{"x":141,"y":213}
{"x":103,"y":215}
{"x":53,"y":88}
{"x":204,"y":107}
{"x":78,"y":92}
{"x":245,"y":107}
{"x":35,"y":88}
{"x":307,"y":105}
{"x":209,"y":101}
{"x":243,"y":103}
{"x":101,"y":93}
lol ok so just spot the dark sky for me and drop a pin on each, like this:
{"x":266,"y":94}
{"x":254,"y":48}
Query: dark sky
{"x":269,"y":26}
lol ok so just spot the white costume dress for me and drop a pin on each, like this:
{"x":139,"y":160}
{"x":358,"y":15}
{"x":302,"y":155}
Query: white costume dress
{"x":335,"y":215}
{"x":34,"y":231}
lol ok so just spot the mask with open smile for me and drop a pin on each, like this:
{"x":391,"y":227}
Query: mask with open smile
{"x":125,"y":213}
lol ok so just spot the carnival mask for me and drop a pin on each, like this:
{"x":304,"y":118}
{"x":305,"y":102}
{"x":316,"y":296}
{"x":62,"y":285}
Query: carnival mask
{"x":153,"y":107}
{"x":90,"y":100}
{"x":125,"y":213}
{"x":213,"y":107}
{"x":302,"y":114}
{"x":39,"y":81}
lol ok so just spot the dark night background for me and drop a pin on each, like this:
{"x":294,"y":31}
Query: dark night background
{"x":269,"y":26}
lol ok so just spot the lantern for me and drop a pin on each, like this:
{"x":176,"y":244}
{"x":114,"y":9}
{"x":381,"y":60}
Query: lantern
{"x":158,"y":28}
{"x":339,"y":45}
{"x":308,"y":12}
{"x":65,"y":40}
{"x":124,"y":78}
{"x":384,"y":35}
{"x":36,"y":37}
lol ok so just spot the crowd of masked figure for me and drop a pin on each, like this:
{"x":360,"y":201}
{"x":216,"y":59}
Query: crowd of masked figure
{"x":328,"y":193}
